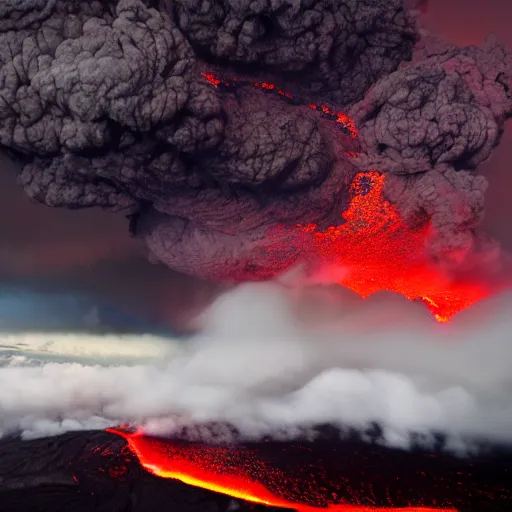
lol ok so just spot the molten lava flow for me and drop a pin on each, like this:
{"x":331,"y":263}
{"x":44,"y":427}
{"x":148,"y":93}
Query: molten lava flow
{"x":381,"y":253}
{"x":237,"y":473}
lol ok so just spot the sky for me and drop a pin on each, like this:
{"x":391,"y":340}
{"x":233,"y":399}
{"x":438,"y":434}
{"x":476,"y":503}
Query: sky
{"x":467,"y":22}
{"x":91,"y":252}
{"x":87,"y":251}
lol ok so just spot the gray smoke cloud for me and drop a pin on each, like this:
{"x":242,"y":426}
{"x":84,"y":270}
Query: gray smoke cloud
{"x":275,"y":359}
{"x":104,"y":104}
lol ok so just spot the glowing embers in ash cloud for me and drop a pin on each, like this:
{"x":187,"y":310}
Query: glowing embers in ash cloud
{"x":241,"y":473}
{"x":379,"y":252}
{"x":345,"y":122}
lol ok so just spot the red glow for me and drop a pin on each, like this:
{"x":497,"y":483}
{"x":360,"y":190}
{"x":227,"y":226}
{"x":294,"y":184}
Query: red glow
{"x":342,"y":119}
{"x":212,"y":78}
{"x":381,"y":253}
{"x":233,"y":472}
{"x":283,"y":93}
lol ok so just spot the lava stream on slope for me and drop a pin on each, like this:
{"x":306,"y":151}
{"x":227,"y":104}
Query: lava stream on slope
{"x":239,"y":472}
{"x":345,"y":122}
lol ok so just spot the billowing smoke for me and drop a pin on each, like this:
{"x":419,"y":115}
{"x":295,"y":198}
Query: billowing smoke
{"x":277,"y":359}
{"x":105,"y":104}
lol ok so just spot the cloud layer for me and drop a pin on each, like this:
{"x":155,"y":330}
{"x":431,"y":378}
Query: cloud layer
{"x":272,"y":358}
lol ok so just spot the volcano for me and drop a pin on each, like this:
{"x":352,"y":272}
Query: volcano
{"x":241,"y":139}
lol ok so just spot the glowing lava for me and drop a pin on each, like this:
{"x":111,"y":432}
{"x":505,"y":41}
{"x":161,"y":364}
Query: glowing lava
{"x":234,"y":472}
{"x":381,"y":253}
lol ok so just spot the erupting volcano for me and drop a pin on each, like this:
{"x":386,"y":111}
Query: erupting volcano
{"x":257,"y":151}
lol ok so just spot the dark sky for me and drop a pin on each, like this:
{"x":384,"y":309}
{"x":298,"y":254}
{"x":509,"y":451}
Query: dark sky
{"x":469,"y":22}
{"x":87,"y":250}
{"x":91,"y":250}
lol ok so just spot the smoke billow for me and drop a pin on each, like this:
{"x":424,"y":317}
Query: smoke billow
{"x":272,"y":359}
{"x":214,"y":179}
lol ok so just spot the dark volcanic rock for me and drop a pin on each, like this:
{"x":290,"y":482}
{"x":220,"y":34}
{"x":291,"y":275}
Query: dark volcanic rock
{"x":95,"y":471}
{"x":90,"y":472}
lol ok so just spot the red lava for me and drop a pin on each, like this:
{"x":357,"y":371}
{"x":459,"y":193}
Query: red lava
{"x":234,"y":472}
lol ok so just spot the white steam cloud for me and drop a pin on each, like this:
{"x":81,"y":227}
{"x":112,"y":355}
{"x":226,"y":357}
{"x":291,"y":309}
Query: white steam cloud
{"x":271,"y":358}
